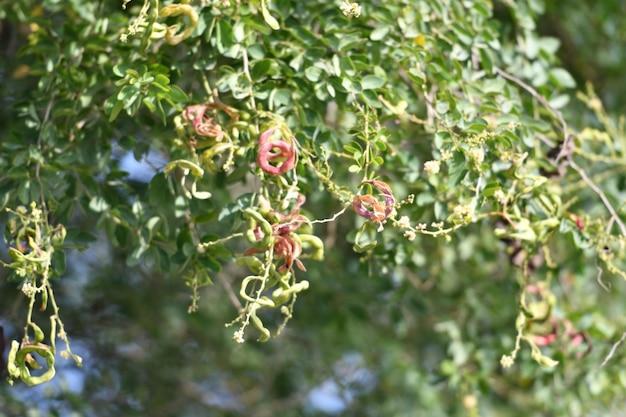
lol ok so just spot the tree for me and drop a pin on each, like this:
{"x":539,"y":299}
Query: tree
{"x":403,"y":185}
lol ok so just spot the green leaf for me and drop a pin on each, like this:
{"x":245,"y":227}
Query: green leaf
{"x":260,"y":69}
{"x":134,"y":257}
{"x":24,"y":192}
{"x":281,"y":97}
{"x":561,"y":78}
{"x":162,"y":80}
{"x":378,"y":160}
{"x":177,"y":95}
{"x":115,"y":110}
{"x":372,"y":82}
{"x":457,"y":169}
{"x":349,"y":42}
{"x":424,"y":199}
{"x":313,"y":74}
{"x":224,"y":35}
{"x":128,"y":94}
{"x":98,"y":204}
{"x":269,"y":19}
{"x":371,"y":99}
{"x":59,"y":262}
{"x":158,"y":190}
{"x":442,"y":106}
{"x":353,"y":147}
{"x":379,"y":33}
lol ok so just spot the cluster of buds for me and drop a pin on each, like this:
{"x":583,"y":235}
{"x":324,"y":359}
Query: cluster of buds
{"x":275,"y":157}
{"x":351,"y":9}
{"x":203,"y":124}
{"x":370,"y":208}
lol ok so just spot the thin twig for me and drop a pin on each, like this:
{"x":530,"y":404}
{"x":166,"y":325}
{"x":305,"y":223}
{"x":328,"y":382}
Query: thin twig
{"x":600,"y":193}
{"x":536,"y":95}
{"x":606,"y":287}
{"x":246,"y":71}
{"x":230,"y":292}
{"x":613,"y":349}
{"x":332,"y":219}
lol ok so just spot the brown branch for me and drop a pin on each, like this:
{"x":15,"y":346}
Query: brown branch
{"x":229,"y":290}
{"x":603,"y":197}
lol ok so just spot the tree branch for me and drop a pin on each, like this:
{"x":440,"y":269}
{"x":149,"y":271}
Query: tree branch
{"x":613,"y":349}
{"x":603,"y":197}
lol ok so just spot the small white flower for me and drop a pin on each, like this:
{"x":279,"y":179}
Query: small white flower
{"x":432,"y":167}
{"x":477,"y":155}
{"x":404,"y":222}
{"x":29,"y":289}
{"x":506,"y":361}
{"x":422,"y":226}
{"x":410,"y":234}
{"x":238,"y":336}
{"x":512,"y":125}
{"x":499,"y":196}
{"x":462,"y":211}
{"x":350,"y":9}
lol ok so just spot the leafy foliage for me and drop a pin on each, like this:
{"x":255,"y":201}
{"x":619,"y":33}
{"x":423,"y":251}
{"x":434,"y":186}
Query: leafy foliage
{"x":431,"y":140}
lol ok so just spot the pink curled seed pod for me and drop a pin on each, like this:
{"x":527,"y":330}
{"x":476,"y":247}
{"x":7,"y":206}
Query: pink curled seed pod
{"x":203,"y":124}
{"x":194,"y":113}
{"x":275,"y":151}
{"x":386,"y":192}
{"x":367,"y":206}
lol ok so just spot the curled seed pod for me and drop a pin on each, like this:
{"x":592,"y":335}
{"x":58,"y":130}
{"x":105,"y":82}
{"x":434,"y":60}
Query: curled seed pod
{"x":171,"y":37}
{"x":203,"y":125}
{"x":280,"y":152}
{"x":367,"y":206}
{"x":288,"y":248}
{"x":209,"y":128}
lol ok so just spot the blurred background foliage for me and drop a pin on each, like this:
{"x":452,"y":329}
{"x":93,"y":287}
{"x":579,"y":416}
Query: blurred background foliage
{"x":592,"y":44}
{"x":418,"y":329}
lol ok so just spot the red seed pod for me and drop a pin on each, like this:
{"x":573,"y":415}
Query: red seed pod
{"x":280,"y":152}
